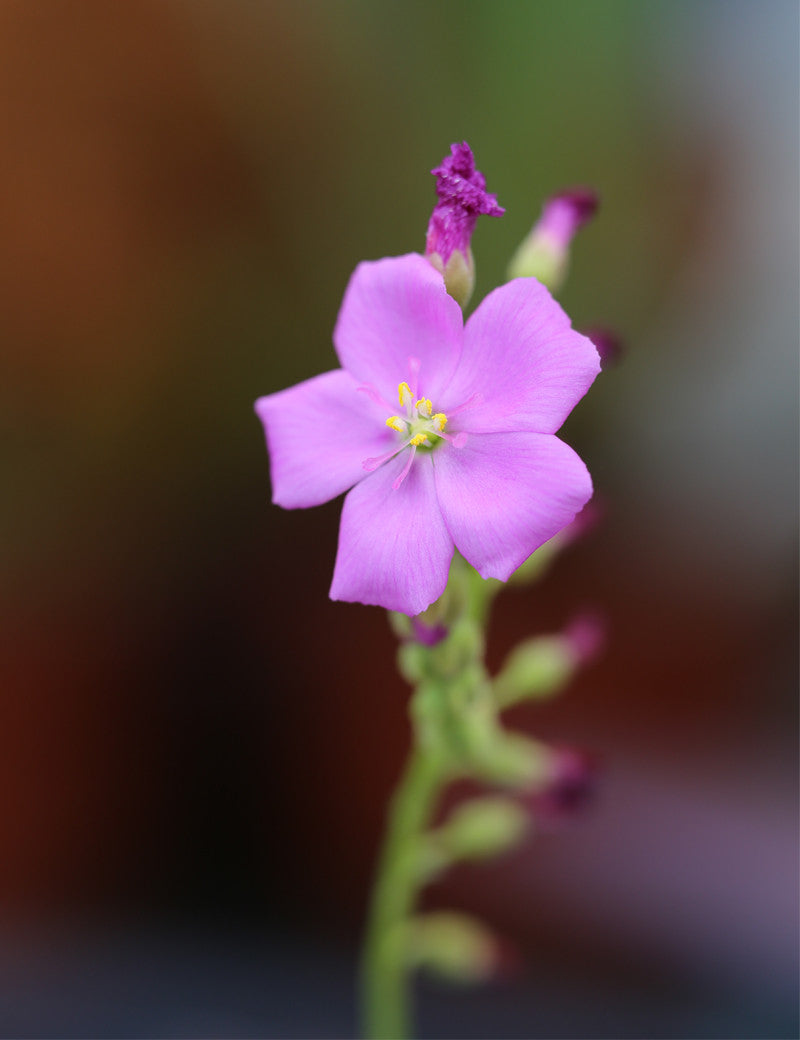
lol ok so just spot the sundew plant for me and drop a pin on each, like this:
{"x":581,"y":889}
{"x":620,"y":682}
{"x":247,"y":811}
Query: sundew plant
{"x":443,"y":433}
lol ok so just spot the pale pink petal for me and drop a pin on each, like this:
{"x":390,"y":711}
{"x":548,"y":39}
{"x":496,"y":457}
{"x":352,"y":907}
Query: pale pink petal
{"x":393,"y":310}
{"x":504,"y":494}
{"x":319,"y":433}
{"x":394,"y":547}
{"x":522,"y":364}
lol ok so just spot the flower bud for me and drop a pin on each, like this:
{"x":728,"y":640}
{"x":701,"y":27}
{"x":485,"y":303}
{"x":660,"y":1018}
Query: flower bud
{"x":535,"y":670}
{"x":482,"y":827}
{"x":540,"y":668}
{"x":512,"y":760}
{"x":538,"y":563}
{"x":427,"y":634}
{"x":592,"y":514}
{"x":455,"y":946}
{"x":607,"y":343}
{"x":462,"y":199}
{"x":585,"y":637}
{"x":572,"y":784}
{"x":545,"y":252}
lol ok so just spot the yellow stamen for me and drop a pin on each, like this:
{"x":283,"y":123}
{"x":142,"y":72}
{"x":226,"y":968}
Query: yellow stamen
{"x":405,"y":395}
{"x":424,"y":405}
{"x":419,"y":439}
{"x":395,"y":423}
{"x":441,"y":419}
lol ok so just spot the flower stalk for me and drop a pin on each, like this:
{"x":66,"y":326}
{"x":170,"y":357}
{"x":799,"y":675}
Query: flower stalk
{"x":387,"y":1011}
{"x":457,"y":733}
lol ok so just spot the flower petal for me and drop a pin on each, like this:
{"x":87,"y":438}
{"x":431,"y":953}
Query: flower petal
{"x":393,"y":310}
{"x":523,"y":359}
{"x":318,"y":434}
{"x":504,"y":494}
{"x":394,"y":547}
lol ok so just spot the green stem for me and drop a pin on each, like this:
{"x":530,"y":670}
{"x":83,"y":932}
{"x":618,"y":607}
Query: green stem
{"x":387,"y":1010}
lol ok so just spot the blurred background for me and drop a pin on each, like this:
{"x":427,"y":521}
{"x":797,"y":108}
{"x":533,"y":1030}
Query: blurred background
{"x":197,"y":746}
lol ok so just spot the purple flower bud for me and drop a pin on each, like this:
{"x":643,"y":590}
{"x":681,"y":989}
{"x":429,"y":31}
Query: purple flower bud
{"x":427,"y":635}
{"x":545,"y":252}
{"x":564,"y":213}
{"x":607,"y":343}
{"x":572,"y":785}
{"x":585,"y":635}
{"x":584,"y":523}
{"x":462,"y":199}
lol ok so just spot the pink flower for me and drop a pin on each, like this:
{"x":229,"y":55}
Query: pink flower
{"x":444,"y":432}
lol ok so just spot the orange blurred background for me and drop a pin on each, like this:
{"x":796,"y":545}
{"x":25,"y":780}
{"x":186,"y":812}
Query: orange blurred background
{"x":198,"y":746}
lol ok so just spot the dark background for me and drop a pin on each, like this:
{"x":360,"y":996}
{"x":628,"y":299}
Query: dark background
{"x":197,"y":745}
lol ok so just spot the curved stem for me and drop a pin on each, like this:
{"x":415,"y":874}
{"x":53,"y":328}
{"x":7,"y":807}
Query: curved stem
{"x":387,"y":1011}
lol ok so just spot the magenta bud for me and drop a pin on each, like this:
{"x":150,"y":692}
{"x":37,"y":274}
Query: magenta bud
{"x":462,"y":199}
{"x":584,"y":523}
{"x":565,"y":212}
{"x":572,"y":785}
{"x":427,"y":635}
{"x":545,"y":252}
{"x":586,"y":637}
{"x":607,"y":343}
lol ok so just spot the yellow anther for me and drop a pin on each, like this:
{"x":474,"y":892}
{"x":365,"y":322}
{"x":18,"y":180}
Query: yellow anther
{"x":405,"y":395}
{"x":441,"y":419}
{"x":395,"y":423}
{"x":420,"y":438}
{"x":424,"y":405}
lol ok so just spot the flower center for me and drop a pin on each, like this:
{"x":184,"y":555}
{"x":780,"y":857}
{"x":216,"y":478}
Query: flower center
{"x":421,"y":426}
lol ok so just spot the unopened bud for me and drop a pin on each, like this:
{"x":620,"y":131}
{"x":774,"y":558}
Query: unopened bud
{"x":513,"y":760}
{"x":427,"y":634}
{"x":572,"y":784}
{"x":462,"y":199}
{"x":482,"y":827}
{"x":455,"y":946}
{"x":584,"y":523}
{"x":585,"y":637}
{"x":540,"y":668}
{"x":536,"y":669}
{"x":544,"y":254}
{"x":538,"y":563}
{"x":607,"y":344}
